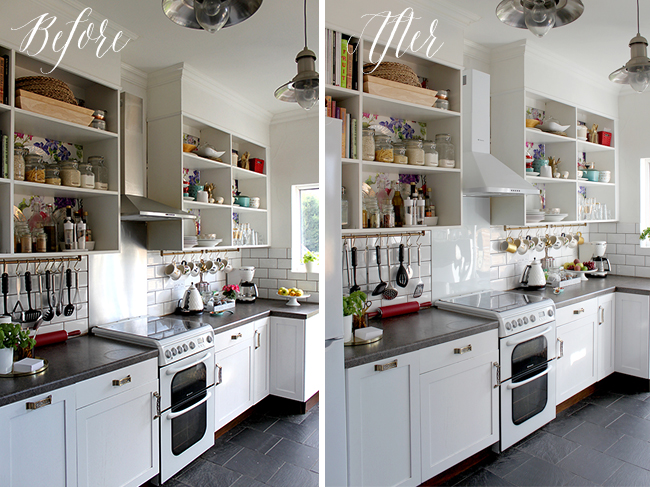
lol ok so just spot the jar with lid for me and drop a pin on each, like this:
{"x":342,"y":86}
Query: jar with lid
{"x":414,"y":152}
{"x":399,"y":153}
{"x":387,"y":216}
{"x":100,"y":171}
{"x":344,"y":208}
{"x":34,"y":168}
{"x":70,"y":175}
{"x":52,"y":174}
{"x":430,"y":153}
{"x":39,"y":239}
{"x":368,"y":144}
{"x":383,"y":148}
{"x":87,"y":175}
{"x":19,"y":163}
{"x":23,"y":238}
{"x":442,"y":104}
{"x":374,"y":215}
{"x":446,"y":153}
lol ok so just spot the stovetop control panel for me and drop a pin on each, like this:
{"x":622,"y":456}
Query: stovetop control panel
{"x":184,"y":346}
{"x":520,"y":319}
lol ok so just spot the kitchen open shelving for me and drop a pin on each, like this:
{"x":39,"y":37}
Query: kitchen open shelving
{"x":103,"y":207}
{"x":446,"y":183}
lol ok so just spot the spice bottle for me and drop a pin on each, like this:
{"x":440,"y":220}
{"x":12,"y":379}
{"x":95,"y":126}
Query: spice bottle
{"x":387,"y":216}
{"x":398,"y":206}
{"x":19,"y":164}
{"x":374,"y":215}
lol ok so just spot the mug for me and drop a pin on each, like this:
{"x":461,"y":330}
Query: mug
{"x":573,"y":242}
{"x":540,"y":244}
{"x":173,"y":271}
{"x":581,"y":240}
{"x":559,"y":243}
{"x":255,"y":202}
{"x":545,"y":172}
{"x":195,"y":269}
{"x":185,"y":267}
{"x":531,"y":243}
{"x":522,"y":246}
{"x":508,"y":245}
{"x":202,"y":196}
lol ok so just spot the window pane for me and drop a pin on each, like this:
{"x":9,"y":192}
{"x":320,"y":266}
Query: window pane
{"x":309,"y":207}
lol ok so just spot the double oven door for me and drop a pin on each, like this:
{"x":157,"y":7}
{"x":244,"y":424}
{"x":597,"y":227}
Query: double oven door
{"x":527,"y":382}
{"x":187,"y":417}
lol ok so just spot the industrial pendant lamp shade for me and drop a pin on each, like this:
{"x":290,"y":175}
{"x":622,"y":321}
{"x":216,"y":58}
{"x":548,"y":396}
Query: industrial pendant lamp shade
{"x":210,"y":15}
{"x":636,"y":72}
{"x":539,"y":16}
{"x":303,"y":88}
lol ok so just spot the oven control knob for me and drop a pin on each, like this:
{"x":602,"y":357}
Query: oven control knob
{"x":525,"y":320}
{"x":209,"y":338}
{"x":520,"y":322}
{"x":184,"y":347}
{"x":192,"y":345}
{"x":550,"y":312}
{"x":168,"y":354}
{"x":508,"y":326}
{"x":532,"y":318}
{"x":174,"y":352}
{"x":180,"y":350}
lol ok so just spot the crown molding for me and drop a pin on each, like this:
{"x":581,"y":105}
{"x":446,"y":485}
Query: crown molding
{"x":134,"y":76}
{"x":448,"y":10}
{"x":477,"y":51}
{"x":295,"y":114}
{"x":70,"y":9}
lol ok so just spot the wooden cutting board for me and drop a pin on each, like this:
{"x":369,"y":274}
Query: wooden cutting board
{"x":398,"y":91}
{"x":53,"y":108}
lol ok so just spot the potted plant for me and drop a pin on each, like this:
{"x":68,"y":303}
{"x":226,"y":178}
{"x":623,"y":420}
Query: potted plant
{"x":230,"y":291}
{"x":310,"y":259}
{"x":9,"y":333}
{"x":645,"y":234}
{"x":355,"y":307}
{"x":25,"y":344}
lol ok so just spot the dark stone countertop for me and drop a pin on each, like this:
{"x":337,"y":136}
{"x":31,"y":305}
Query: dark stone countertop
{"x":407,"y":333}
{"x":76,"y":360}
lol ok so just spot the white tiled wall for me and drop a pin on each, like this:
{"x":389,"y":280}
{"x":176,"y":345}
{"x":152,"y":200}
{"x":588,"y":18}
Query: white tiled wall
{"x":623,"y":248}
{"x":273,"y":271}
{"x":79,"y":318}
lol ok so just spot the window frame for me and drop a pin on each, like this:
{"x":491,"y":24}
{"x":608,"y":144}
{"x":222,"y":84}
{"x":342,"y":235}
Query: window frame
{"x":296,"y":226}
{"x":644,"y":193}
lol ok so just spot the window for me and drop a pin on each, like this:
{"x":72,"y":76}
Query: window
{"x":644,"y":214}
{"x":305,"y":204}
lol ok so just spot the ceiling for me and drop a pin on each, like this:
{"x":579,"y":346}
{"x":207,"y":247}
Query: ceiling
{"x":597,"y":41}
{"x":253,"y":57}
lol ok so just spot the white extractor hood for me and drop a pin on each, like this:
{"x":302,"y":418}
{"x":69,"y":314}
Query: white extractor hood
{"x":484,"y":174}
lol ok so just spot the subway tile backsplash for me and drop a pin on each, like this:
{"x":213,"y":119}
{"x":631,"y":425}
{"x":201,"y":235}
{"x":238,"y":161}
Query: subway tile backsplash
{"x":624,"y":250}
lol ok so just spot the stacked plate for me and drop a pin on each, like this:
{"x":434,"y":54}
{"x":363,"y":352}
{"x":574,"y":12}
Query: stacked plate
{"x":209,"y":242}
{"x":535,"y":216}
{"x":555,"y":217}
{"x":190,"y":241}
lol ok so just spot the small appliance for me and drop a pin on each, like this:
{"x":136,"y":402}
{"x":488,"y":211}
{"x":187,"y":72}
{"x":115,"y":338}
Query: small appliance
{"x":191,"y":303}
{"x":247,"y":288}
{"x":596,"y":251}
{"x":533,"y":276}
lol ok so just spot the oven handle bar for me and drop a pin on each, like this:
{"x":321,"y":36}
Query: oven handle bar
{"x":175,"y":370}
{"x":510,"y":343}
{"x":519,"y":384}
{"x":180,"y":413}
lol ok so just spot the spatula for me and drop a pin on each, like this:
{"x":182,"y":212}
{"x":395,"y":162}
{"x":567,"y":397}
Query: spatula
{"x":31,"y":314}
{"x":390,"y":292}
{"x":48,"y":314}
{"x":381,"y":287}
{"x":5,"y":288}
{"x":402,"y":278}
{"x":419,"y":287}
{"x":69,"y":308}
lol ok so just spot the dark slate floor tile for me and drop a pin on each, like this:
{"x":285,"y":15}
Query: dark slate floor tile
{"x":312,"y":440}
{"x":172,"y":483}
{"x":483,"y":478}
{"x":311,"y":422}
{"x":591,"y":464}
{"x":633,"y":426}
{"x":578,"y":481}
{"x":260,"y":422}
{"x":548,"y":447}
{"x":294,"y":453}
{"x":629,"y":476}
{"x":505,"y":463}
{"x":255,"y":440}
{"x":631,"y":450}
{"x":292,"y":476}
{"x":314,"y":468}
{"x":640,"y":396}
{"x":594,"y":436}
{"x":254,"y":464}
{"x":597,"y":414}
{"x":536,"y":472}
{"x":245,"y":481}
{"x":201,"y":473}
{"x":221,"y":452}
{"x":562,"y":426}
{"x":603,"y":398}
{"x":295,"y":432}
{"x":292,"y":418}
{"x":631,"y":406}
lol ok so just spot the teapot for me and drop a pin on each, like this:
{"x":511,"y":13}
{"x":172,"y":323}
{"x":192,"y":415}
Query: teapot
{"x":192,"y":302}
{"x":533,"y":276}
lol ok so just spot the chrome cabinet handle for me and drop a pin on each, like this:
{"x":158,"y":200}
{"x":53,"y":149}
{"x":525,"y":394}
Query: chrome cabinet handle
{"x":578,"y":311}
{"x":121,"y":382}
{"x":156,"y":396}
{"x":257,"y":340}
{"x":602,"y":315}
{"x":219,"y":375}
{"x":235,"y":337}
{"x":497,"y":367}
{"x":388,"y":366}
{"x":561,"y":348}
{"x":39,"y":404}
{"x":460,"y":351}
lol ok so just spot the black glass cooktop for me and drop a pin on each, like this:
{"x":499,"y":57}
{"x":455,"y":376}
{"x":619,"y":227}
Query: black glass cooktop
{"x":496,"y":301}
{"x":154,"y":328}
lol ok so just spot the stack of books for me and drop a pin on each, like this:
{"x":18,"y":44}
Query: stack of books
{"x":341,"y":60}
{"x":349,"y":144}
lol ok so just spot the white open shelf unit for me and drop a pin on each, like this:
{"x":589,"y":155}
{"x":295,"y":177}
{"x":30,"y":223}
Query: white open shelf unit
{"x":103,"y":207}
{"x":446,"y":184}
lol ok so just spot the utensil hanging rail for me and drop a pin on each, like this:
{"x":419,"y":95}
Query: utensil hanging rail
{"x":383,"y":235}
{"x":203,"y":251}
{"x":549,"y":226}
{"x":42,"y":260}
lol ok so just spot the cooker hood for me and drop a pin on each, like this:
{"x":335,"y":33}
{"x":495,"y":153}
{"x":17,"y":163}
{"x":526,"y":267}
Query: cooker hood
{"x":483,"y":174}
{"x":134,"y":205}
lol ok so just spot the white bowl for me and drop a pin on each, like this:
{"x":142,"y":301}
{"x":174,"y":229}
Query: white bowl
{"x":555,"y":127}
{"x":90,"y":245}
{"x":430,"y":221}
{"x":209,"y":151}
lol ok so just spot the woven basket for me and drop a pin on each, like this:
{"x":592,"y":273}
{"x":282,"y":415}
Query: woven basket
{"x":393,"y":72}
{"x":46,"y":86}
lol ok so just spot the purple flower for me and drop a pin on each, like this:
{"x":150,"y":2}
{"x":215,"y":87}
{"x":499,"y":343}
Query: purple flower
{"x":409,"y":178}
{"x":63,"y":202}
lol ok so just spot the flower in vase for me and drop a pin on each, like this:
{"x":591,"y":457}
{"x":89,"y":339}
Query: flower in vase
{"x":230,"y":291}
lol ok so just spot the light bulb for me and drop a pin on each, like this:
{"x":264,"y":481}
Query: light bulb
{"x":212,"y":15}
{"x":539,"y":18}
{"x":639,"y":81}
{"x":306,"y":93}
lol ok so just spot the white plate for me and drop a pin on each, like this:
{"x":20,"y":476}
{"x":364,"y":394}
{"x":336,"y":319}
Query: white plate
{"x":188,"y":198}
{"x":209,"y":243}
{"x":583,"y":179}
{"x":555,"y":218}
{"x":532,"y":173}
{"x":534,"y":219}
{"x":293,"y":300}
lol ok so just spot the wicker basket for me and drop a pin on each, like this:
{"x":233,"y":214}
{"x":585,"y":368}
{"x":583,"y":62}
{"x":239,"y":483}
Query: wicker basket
{"x":398,"y":72}
{"x":46,"y":86}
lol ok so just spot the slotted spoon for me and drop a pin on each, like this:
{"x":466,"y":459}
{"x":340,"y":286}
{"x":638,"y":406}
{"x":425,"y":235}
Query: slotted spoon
{"x":31,"y":314}
{"x":402,"y":277}
{"x":381,"y":287}
{"x":390,"y":293}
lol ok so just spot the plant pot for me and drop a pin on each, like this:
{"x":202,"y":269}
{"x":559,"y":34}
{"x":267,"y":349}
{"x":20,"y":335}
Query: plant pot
{"x":359,"y":321}
{"x":6,"y":360}
{"x":22,"y":353}
{"x":347,"y":328}
{"x":311,"y":267}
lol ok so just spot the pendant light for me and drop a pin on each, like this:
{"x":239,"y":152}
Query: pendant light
{"x":636,"y":72}
{"x":303,"y":88}
{"x":209,"y":15}
{"x":539,"y":16}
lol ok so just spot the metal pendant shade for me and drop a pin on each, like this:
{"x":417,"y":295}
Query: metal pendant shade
{"x":539,"y":16}
{"x":636,"y":71}
{"x":183,"y":12}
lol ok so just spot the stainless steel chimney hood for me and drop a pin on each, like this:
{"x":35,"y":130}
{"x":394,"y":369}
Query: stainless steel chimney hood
{"x":484,"y":174}
{"x":140,"y":209}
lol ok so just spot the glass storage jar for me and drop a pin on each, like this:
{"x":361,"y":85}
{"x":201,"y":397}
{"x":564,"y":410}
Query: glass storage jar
{"x":344,"y":208}
{"x":383,"y":148}
{"x":23,"y":238}
{"x":414,"y":152}
{"x":34,"y":168}
{"x":19,"y":164}
{"x":374,"y":215}
{"x":87,"y":176}
{"x":52,"y":174}
{"x":41,"y":240}
{"x":368,"y":144}
{"x":70,"y":175}
{"x":399,"y":153}
{"x":100,"y":171}
{"x":441,"y":103}
{"x":388,"y":216}
{"x":430,"y":153}
{"x":446,"y":153}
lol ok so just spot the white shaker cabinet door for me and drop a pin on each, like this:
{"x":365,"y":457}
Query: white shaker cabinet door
{"x":459,"y":412}
{"x":383,"y":406}
{"x":261,"y":347}
{"x":118,"y":439}
{"x":632,"y":334}
{"x":38,"y":441}
{"x":288,"y":358}
{"x":576,"y":357}
{"x":606,"y":335}
{"x":233,"y":390}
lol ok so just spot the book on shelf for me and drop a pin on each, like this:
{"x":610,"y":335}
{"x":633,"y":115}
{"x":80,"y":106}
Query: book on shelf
{"x":5,"y":156}
{"x":344,"y":62}
{"x":349,"y":148}
{"x":5,"y":81}
{"x":341,"y":60}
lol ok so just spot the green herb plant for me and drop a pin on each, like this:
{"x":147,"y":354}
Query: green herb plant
{"x":355,"y":304}
{"x":13,"y":336}
{"x":645,"y":234}
{"x":309,"y":257}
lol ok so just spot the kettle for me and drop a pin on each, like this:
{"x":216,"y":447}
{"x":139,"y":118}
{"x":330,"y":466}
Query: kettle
{"x":191,"y":303}
{"x":533,"y":276}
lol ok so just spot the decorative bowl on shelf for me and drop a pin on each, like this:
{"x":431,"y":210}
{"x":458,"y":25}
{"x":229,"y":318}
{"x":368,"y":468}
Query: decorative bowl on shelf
{"x":531,"y":123}
{"x":206,"y":150}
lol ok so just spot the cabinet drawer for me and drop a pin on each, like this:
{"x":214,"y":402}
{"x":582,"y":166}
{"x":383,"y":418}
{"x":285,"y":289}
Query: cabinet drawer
{"x":576,"y":311}
{"x":233,"y":337}
{"x":116,"y":382}
{"x":458,"y":350}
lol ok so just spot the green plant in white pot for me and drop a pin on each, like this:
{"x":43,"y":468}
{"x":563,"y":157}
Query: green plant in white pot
{"x":310,"y":259}
{"x":9,"y":337}
{"x":355,"y":307}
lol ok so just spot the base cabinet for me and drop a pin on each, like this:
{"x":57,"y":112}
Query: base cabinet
{"x":261,"y":364}
{"x":606,"y":336}
{"x":576,"y":356}
{"x":383,"y":406}
{"x":38,"y":445}
{"x":632,"y":334}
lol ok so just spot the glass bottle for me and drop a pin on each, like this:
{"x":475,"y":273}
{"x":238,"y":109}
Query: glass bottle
{"x":398,"y":206}
{"x":399,"y":153}
{"x":70,"y":175}
{"x":19,"y":163}
{"x":419,"y":212}
{"x":87,"y":176}
{"x":414,"y":152}
{"x":387,"y":216}
{"x":383,"y":148}
{"x":364,"y":214}
{"x":368,"y":144}
{"x":446,"y":151}
{"x":21,"y":229}
{"x":34,"y":168}
{"x":101,"y":172}
{"x":68,"y":230}
{"x":344,"y":208}
{"x":427,"y":204}
{"x":49,"y":225}
{"x":430,"y":153}
{"x":374,"y":215}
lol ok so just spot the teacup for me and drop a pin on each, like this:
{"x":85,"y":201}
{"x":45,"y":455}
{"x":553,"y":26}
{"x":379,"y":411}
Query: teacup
{"x":522,"y":246}
{"x":573,"y":242}
{"x":195,"y":269}
{"x":559,"y":243}
{"x":508,"y":245}
{"x":173,"y":271}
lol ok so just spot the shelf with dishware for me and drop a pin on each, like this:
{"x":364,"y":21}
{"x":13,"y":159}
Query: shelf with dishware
{"x":539,"y":179}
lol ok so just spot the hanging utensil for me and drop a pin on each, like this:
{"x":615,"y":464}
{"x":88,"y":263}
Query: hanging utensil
{"x":31,"y":314}
{"x":16,"y":315}
{"x":381,"y":287}
{"x":390,"y":292}
{"x":402,"y":278}
{"x":356,"y":287}
{"x":48,"y":314}
{"x":419,"y":287}
{"x":76,"y":300}
{"x":40,"y":294}
{"x":367,"y":269}
{"x":69,"y":309}
{"x":409,"y":269}
{"x":59,"y":303}
{"x":5,"y":288}
{"x":347,"y":261}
